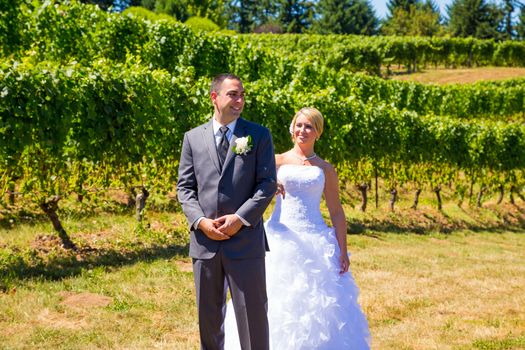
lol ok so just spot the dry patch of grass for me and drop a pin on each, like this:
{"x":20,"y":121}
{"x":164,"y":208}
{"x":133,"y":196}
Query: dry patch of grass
{"x":84,"y":300}
{"x":462,"y":75}
{"x":441,"y":291}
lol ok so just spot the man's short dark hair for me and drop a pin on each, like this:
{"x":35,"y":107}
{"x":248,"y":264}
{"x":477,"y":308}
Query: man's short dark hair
{"x":217,"y":81}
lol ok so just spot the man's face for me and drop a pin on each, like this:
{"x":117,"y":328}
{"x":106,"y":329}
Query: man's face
{"x":229,"y":100}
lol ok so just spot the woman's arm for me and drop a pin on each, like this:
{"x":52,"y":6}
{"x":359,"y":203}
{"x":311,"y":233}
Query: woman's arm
{"x":280,"y":187}
{"x":337,"y":214}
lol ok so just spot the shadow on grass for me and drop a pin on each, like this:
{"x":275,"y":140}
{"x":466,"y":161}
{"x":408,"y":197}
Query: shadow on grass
{"x":32,"y":215}
{"x":62,"y":263}
{"x":421,"y":222}
{"x":389,"y":227}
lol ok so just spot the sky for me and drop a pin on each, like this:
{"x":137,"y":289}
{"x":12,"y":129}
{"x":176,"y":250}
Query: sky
{"x":382,"y":10}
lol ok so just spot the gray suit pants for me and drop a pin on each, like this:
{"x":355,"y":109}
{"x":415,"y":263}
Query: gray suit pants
{"x":212,"y":278}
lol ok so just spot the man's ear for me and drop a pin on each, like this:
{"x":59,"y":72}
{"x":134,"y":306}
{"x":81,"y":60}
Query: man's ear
{"x":213,"y":95}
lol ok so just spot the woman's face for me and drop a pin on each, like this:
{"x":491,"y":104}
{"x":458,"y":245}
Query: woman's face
{"x":304,"y":131}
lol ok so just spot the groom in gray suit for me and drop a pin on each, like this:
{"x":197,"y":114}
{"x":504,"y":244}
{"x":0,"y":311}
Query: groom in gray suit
{"x":227,"y":178}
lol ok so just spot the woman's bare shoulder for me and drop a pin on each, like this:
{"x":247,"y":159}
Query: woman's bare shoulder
{"x":328,"y":168}
{"x":282,"y":158}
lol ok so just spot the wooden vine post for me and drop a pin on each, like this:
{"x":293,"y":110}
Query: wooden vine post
{"x":393,"y":198}
{"x":416,"y":199}
{"x":50,"y":208}
{"x":363,"y":188}
{"x":141,"y":203}
{"x":437,"y":191}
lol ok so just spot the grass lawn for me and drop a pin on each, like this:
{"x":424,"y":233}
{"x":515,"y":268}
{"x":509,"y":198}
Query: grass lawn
{"x":133,"y":289}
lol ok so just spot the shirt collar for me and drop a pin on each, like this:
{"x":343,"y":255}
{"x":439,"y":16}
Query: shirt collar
{"x":217,"y":126}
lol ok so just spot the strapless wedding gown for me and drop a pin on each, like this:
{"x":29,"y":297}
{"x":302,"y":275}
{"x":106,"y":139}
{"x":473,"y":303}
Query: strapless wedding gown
{"x":310,"y":305}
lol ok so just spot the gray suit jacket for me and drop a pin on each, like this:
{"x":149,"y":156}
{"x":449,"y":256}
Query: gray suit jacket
{"x":245,"y":186}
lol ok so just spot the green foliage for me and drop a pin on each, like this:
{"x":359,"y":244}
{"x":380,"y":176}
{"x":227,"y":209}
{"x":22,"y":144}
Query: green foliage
{"x":97,"y":123}
{"x":505,"y":343}
{"x":182,"y":10}
{"x":123,"y":124}
{"x":97,"y":99}
{"x":358,"y":53}
{"x":204,"y":24}
{"x":144,"y":13}
{"x":508,"y":53}
{"x":11,"y":25}
{"x":103,"y":4}
{"x":83,"y":33}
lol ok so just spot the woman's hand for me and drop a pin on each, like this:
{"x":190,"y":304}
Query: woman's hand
{"x":280,"y":189}
{"x":344,"y":263}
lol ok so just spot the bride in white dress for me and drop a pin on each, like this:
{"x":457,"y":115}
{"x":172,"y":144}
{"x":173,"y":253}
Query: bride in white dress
{"x":312,"y":297}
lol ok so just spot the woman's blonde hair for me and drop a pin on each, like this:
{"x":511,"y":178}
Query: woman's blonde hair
{"x":313,"y":115}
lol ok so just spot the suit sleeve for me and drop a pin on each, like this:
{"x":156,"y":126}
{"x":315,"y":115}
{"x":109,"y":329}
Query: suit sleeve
{"x":266,"y":182}
{"x":187,"y":185}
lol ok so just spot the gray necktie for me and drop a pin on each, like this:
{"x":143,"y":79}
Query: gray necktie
{"x":224,"y":144}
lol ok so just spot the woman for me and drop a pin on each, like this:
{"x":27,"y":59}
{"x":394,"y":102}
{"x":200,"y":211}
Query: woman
{"x":312,"y":298}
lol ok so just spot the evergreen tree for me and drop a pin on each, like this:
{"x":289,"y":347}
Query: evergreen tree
{"x":149,"y":4}
{"x":494,"y":26}
{"x":174,"y":8}
{"x":509,"y":6}
{"x":393,"y":5}
{"x":431,"y":6}
{"x":346,"y":17}
{"x":242,"y":15}
{"x":520,"y":26}
{"x":475,"y":18}
{"x":295,"y":15}
{"x":419,"y":20}
{"x":266,"y":12}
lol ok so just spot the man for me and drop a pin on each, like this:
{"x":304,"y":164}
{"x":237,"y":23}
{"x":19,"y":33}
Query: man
{"x":227,"y":178}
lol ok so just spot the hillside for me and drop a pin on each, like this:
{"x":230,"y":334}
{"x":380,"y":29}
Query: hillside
{"x":462,"y":75}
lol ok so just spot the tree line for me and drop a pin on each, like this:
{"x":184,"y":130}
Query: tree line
{"x":483,"y":19}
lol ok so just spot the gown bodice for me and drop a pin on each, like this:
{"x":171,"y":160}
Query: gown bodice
{"x":300,"y":207}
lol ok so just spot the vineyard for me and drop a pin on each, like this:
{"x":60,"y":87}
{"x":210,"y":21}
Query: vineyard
{"x":91,"y":101}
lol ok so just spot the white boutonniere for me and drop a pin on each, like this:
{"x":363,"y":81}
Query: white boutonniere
{"x":243,"y":145}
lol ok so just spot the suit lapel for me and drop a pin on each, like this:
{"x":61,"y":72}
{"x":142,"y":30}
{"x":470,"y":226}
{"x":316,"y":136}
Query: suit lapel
{"x":240,"y":131}
{"x":209,"y":140}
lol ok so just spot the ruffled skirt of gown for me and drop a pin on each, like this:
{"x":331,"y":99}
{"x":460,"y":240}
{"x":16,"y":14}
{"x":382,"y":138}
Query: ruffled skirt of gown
{"x":310,"y":305}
